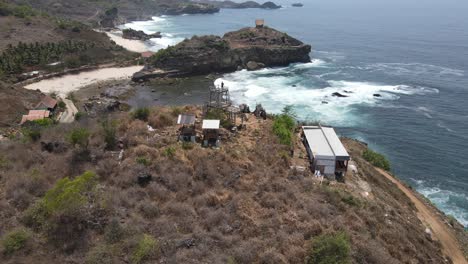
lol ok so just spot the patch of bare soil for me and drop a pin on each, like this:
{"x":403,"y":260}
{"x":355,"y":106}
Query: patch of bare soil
{"x":441,"y":232}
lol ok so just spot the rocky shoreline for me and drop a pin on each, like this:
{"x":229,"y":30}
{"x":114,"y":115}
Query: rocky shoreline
{"x":242,"y":5}
{"x":247,"y":48}
{"x":132,"y":34}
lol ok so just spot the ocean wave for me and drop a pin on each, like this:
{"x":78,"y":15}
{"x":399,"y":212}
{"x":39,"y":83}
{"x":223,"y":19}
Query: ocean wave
{"x":450,"y":202}
{"x":149,"y":26}
{"x":164,"y":42}
{"x":443,"y":126}
{"x":278,"y":87}
{"x":414,"y":69}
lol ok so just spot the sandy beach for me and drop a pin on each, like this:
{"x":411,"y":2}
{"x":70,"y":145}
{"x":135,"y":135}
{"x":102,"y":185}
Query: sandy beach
{"x":131,"y":45}
{"x":73,"y":82}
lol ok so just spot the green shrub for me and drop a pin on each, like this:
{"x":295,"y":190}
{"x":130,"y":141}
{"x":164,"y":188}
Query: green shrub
{"x":330,"y":249}
{"x":113,"y":232}
{"x":15,"y":240}
{"x":4,"y":162}
{"x":79,"y":136}
{"x":69,"y":194}
{"x":101,"y":254}
{"x":147,"y":246}
{"x":187,"y":145}
{"x":376,"y":159}
{"x":219,"y":114}
{"x":46,"y":122}
{"x":33,"y":134}
{"x":350,"y":200}
{"x":169,"y":152}
{"x":67,"y":197}
{"x":141,"y":114}
{"x":283,"y":126}
{"x":163,"y":54}
{"x":79,"y":115}
{"x":143,"y":161}
{"x":110,"y":134}
{"x":61,"y":104}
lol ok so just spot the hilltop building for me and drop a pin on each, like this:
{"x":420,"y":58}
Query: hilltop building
{"x":211,"y":132}
{"x":326,"y":152}
{"x":259,"y":23}
{"x":35,"y":115}
{"x":187,"y":131}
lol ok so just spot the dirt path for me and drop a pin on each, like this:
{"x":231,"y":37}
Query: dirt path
{"x":68,"y":115}
{"x":441,"y":232}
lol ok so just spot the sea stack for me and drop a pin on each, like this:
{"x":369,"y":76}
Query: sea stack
{"x":260,"y":45}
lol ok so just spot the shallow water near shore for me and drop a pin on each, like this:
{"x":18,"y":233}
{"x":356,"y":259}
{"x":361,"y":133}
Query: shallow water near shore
{"x":406,"y":80}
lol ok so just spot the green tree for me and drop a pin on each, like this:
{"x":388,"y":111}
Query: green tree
{"x":284,"y":124}
{"x":330,"y":249}
{"x":80,"y":137}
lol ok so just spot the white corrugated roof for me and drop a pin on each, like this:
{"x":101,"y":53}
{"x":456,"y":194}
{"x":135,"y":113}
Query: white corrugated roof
{"x":324,"y":142}
{"x":211,"y":124}
{"x":335,"y":142}
{"x":317,"y":142}
{"x":186,"y":119}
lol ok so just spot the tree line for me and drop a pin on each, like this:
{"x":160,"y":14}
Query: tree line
{"x":16,"y":58}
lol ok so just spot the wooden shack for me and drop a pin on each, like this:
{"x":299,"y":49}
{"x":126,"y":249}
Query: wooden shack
{"x":211,"y":133}
{"x":187,"y":130}
{"x":259,"y":23}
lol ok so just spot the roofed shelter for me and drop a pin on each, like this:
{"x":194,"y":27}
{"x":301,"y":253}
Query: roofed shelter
{"x":47,"y":103}
{"x":326,"y":152}
{"x":211,"y":132}
{"x":35,"y":115}
{"x":259,"y":23}
{"x":187,"y":130}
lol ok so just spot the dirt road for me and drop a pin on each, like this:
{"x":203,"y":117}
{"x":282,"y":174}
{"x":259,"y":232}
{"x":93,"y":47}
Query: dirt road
{"x":68,"y":115}
{"x":440,"y":230}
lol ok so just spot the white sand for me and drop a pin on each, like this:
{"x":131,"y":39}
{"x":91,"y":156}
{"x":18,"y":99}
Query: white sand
{"x":73,"y":82}
{"x":128,"y":44}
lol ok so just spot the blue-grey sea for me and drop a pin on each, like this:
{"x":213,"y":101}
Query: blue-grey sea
{"x":413,"y":53}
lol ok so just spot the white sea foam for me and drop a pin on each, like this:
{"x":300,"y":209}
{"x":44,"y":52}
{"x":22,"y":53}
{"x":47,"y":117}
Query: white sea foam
{"x":414,"y":69}
{"x":442,"y":125}
{"x":447,"y":201}
{"x":276,"y":88}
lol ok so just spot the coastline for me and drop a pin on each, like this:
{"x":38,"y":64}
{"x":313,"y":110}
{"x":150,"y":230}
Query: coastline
{"x":432,"y":218}
{"x":72,"y":82}
{"x":128,"y":44}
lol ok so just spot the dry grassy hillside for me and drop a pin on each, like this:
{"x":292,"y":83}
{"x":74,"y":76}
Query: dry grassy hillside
{"x":238,"y":204}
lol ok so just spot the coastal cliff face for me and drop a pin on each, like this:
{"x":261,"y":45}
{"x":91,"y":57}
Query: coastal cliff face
{"x":265,"y":47}
{"x":247,"y":4}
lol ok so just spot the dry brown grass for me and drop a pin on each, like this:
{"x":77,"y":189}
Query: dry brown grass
{"x":206,"y":206}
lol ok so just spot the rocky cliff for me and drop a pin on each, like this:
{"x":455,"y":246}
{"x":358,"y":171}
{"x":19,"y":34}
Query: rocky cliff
{"x":247,"y":4}
{"x":251,"y":48}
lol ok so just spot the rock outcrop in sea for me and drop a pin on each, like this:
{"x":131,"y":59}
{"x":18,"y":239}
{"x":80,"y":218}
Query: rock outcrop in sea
{"x":248,"y":48}
{"x":139,"y":34}
{"x":246,"y":4}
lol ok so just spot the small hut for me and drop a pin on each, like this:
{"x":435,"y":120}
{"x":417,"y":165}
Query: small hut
{"x":326,"y":152}
{"x":211,"y":133}
{"x":35,"y":115}
{"x":259,"y":23}
{"x":47,"y":103}
{"x":187,"y":131}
